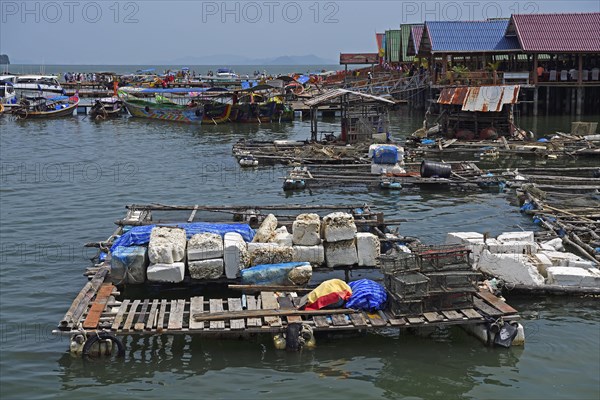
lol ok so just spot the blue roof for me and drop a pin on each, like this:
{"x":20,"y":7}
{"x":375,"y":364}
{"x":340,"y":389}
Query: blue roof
{"x":470,"y":36}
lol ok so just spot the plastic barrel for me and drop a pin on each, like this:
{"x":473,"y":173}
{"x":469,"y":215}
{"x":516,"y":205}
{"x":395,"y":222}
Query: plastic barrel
{"x":431,"y":169}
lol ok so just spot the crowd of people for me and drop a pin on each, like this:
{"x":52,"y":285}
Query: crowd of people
{"x":86,"y":77}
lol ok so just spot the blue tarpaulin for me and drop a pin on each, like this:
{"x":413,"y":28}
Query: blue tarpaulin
{"x":302,"y":79}
{"x":140,"y":235}
{"x":270,"y":274}
{"x":367,"y":295}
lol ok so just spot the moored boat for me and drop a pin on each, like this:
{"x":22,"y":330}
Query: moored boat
{"x":108,"y":107}
{"x":41,"y":107}
{"x":164,"y":111}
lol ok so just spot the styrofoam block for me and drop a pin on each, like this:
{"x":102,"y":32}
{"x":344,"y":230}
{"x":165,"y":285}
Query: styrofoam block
{"x":582,"y":264}
{"x":311,"y":254}
{"x":342,"y":253}
{"x":512,"y":247}
{"x":306,"y":230}
{"x":545,"y":246}
{"x":300,"y":275}
{"x":542,"y":263}
{"x":560,"y":258}
{"x":526,"y":236}
{"x":167,"y":245}
{"x":477,"y":246}
{"x":462,"y":237}
{"x":557,"y":244}
{"x":266,"y":231}
{"x":205,"y":246}
{"x":338,"y":226}
{"x":511,"y":268}
{"x":235,"y":254}
{"x":206,"y":269}
{"x":173,"y":272}
{"x":569,"y":276}
{"x":269,"y":253}
{"x":368,"y":249}
{"x":128,"y":265}
{"x":379,"y":169}
{"x":282,"y":237}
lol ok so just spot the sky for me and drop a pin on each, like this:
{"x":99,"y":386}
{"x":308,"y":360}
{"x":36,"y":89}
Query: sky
{"x":164,"y":32}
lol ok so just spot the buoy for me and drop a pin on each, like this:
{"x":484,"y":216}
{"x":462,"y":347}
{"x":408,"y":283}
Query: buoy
{"x":248,"y":161}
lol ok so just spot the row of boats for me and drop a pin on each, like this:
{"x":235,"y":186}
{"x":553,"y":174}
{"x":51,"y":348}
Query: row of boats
{"x":259,"y":104}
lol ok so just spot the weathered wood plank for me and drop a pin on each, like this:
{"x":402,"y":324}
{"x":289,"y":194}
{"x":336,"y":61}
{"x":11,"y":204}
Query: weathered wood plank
{"x":152,"y":315}
{"x":176,"y":316}
{"x":196,"y":307}
{"x":496,"y":302}
{"x":339,"y":320}
{"x":397,"y":321}
{"x":120,"y":314}
{"x":161,"y":315}
{"x":376,"y":319}
{"x":131,"y":316}
{"x":486,"y":308}
{"x":140,"y":322}
{"x":415,"y":320}
{"x":321,"y":321}
{"x":253,"y":304}
{"x":99,"y":304}
{"x":452,"y":315}
{"x":269,"y":302}
{"x":235,"y":304}
{"x":215,"y":306}
{"x":358,"y":319}
{"x":433,"y":316}
{"x":470,"y":313}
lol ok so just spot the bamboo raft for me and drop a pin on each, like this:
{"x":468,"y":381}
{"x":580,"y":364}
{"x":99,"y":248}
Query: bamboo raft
{"x":96,"y":309}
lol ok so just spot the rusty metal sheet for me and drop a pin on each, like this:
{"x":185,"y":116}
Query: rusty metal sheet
{"x":490,"y":98}
{"x":454,"y":96}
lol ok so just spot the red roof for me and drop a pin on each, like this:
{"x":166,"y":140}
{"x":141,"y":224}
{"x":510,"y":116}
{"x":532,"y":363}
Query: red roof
{"x":557,"y":33}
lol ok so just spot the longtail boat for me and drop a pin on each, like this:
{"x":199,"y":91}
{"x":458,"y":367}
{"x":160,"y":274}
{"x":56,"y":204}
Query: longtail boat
{"x":54,"y":107}
{"x":107,"y":107}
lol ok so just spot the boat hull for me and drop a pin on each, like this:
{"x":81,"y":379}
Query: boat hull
{"x":63,"y":112}
{"x":190,"y":115}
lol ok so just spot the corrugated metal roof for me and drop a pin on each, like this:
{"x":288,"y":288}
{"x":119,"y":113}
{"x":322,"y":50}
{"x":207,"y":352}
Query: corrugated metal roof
{"x":468,"y":37}
{"x":393,"y":45}
{"x":414,"y":40}
{"x":405,"y":30}
{"x":336,"y":93}
{"x":480,"y":98}
{"x":569,"y":32}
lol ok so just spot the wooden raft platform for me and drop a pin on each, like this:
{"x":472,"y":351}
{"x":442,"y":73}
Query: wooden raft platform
{"x":267,"y":312}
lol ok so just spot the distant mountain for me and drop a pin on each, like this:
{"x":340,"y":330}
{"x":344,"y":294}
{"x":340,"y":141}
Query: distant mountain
{"x":4,"y":59}
{"x":231,"y":59}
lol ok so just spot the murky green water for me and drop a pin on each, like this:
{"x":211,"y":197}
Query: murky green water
{"x":64,"y":182}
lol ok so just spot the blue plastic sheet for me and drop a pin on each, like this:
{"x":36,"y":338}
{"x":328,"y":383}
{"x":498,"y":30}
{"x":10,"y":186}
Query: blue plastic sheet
{"x":367,"y":295}
{"x":543,"y":140}
{"x":269,"y":274}
{"x":427,"y":141}
{"x":527,"y":206}
{"x":385,"y":155}
{"x":140,"y":235}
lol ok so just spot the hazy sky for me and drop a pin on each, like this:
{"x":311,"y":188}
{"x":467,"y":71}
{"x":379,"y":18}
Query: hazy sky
{"x":159,"y":31}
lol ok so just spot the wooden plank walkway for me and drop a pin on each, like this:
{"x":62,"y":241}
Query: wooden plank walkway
{"x":266,"y":312}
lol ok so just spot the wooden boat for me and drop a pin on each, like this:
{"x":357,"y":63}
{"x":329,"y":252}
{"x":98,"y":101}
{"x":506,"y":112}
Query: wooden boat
{"x":55,"y":107}
{"x":261,"y":112}
{"x":216,"y":113}
{"x":165,"y":111}
{"x":108,"y":107}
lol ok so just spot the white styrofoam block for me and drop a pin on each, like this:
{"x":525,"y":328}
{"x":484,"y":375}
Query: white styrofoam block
{"x":269,"y":253}
{"x":560,"y":258}
{"x":556,"y":243}
{"x":338,"y":226}
{"x":582,"y":264}
{"x":380,"y":169}
{"x":512,"y":247}
{"x":167,"y":245}
{"x":206,"y":269}
{"x":511,"y":268}
{"x":306,"y":230}
{"x":569,"y":276}
{"x":282,"y":237}
{"x":235,"y":254}
{"x":368,"y":249}
{"x":205,"y":246}
{"x":477,"y":246}
{"x":311,"y":254}
{"x":173,"y":272}
{"x":542,"y":263}
{"x":545,"y":246}
{"x":266,"y":230}
{"x":128,"y":265}
{"x":342,"y":253}
{"x":462,"y":237}
{"x":300,"y":275}
{"x":525,"y":236}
